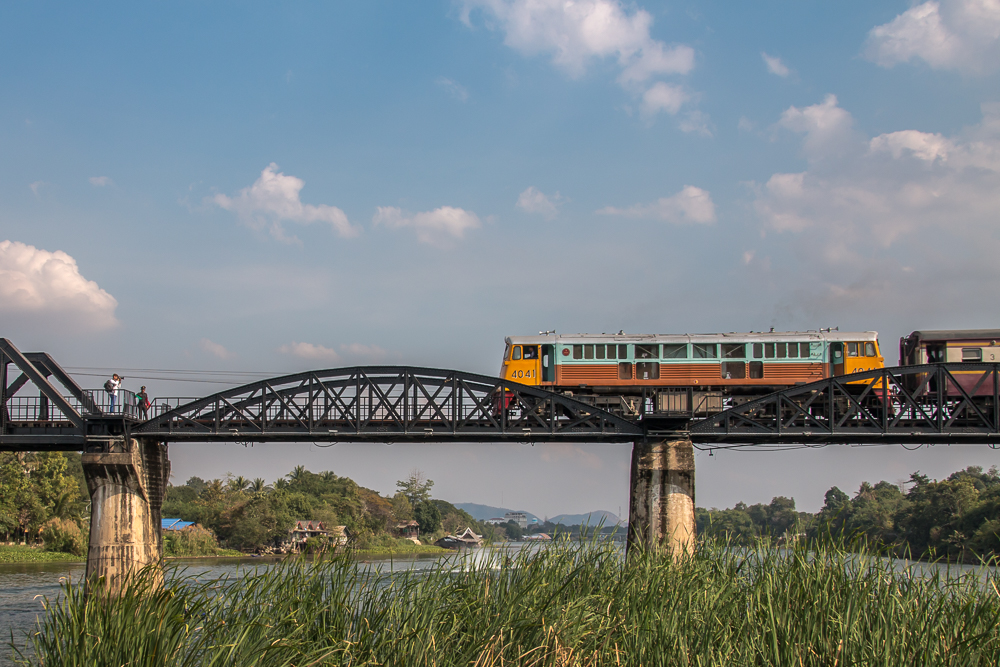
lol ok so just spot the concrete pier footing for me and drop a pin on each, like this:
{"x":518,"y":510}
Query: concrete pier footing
{"x":126,"y":492}
{"x":661,"y":502}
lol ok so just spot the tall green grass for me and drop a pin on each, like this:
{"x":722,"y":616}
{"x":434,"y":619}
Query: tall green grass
{"x":564,"y":605}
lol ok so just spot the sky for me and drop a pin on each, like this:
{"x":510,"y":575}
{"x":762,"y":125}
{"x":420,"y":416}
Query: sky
{"x":271,"y":187}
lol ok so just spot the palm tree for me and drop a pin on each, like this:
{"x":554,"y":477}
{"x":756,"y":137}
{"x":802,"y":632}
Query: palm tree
{"x":258,"y":485}
{"x":238,"y":484}
{"x":298,"y":472}
{"x":328,"y":476}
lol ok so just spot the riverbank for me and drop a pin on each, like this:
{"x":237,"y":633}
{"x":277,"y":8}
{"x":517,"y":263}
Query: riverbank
{"x":24,"y":554}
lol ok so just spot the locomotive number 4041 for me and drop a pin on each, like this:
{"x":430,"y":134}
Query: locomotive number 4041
{"x":522,"y":374}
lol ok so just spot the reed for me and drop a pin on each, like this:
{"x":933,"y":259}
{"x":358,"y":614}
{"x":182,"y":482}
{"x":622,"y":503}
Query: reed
{"x":567,"y":604}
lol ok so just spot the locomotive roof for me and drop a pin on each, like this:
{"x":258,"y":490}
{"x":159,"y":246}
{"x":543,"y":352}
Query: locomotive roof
{"x":956,"y":334}
{"x":734,"y":337}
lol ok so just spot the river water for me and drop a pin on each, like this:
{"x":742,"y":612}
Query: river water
{"x":23,"y":586}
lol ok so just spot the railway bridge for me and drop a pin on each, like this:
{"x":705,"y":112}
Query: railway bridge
{"x":125,"y":445}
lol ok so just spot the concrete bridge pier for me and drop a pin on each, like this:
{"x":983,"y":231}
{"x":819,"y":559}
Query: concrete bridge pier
{"x":661,"y":503}
{"x":126,"y":486}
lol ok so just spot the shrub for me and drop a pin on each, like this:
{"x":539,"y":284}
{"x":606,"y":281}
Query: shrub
{"x":63,"y":535}
{"x":191,"y":541}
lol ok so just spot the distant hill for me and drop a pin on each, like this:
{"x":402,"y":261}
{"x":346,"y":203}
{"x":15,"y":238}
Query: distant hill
{"x":483,"y":512}
{"x":590,"y":519}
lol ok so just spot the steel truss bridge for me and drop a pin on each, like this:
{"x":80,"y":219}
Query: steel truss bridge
{"x":933,"y":404}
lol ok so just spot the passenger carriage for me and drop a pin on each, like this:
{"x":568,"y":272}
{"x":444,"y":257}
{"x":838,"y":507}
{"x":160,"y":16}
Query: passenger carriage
{"x":969,"y":346}
{"x":687,"y":373}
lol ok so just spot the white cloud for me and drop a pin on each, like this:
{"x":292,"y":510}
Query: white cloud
{"x":437,"y":227}
{"x":273,"y":199}
{"x":35,"y":282}
{"x":215,"y":349}
{"x":100,"y":181}
{"x":310,"y":352}
{"x":533,"y":200}
{"x":36,"y":187}
{"x":905,"y":198}
{"x":690,"y":205}
{"x":663,"y":97}
{"x":962,"y":35}
{"x":696,"y":122}
{"x":578,"y":32}
{"x":825,"y":125}
{"x":775,"y":66}
{"x":453,"y":88}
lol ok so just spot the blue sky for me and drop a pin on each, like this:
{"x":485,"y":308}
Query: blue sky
{"x":281,"y":186}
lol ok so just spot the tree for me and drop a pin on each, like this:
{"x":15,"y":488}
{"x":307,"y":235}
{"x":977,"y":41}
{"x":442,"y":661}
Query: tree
{"x":416,"y":487}
{"x":402,"y":510}
{"x":428,"y":517}
{"x":513,"y":530}
{"x":258,"y":485}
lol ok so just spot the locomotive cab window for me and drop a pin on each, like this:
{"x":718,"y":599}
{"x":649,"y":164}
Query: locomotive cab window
{"x":530,"y":351}
{"x":516,"y":354}
{"x":704,"y":350}
{"x":852,"y":349}
{"x":870,"y":350}
{"x":972,"y":354}
{"x":675,"y":351}
{"x":734,"y":351}
{"x":647,"y":351}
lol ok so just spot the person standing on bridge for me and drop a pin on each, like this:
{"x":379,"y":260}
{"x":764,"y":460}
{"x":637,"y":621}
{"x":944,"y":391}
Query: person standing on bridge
{"x":112,"y":386}
{"x":142,"y":400}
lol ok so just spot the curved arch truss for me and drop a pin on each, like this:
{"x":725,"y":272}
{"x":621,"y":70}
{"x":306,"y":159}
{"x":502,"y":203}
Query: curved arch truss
{"x":936,"y":403}
{"x":387,"y":403}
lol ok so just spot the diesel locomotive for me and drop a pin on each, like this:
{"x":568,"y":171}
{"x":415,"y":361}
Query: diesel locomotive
{"x":689,"y":373}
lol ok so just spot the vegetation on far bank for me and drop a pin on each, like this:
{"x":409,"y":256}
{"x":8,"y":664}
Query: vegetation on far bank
{"x":19,"y":553}
{"x":957,"y":518}
{"x":565,"y":605}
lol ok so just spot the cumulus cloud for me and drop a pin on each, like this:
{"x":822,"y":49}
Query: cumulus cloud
{"x":356,"y":351}
{"x":453,"y":88}
{"x":961,"y":35}
{"x":533,"y":200}
{"x":438,"y":227}
{"x":274,"y":199}
{"x":904,"y":202}
{"x":36,"y":282}
{"x":37,"y":186}
{"x":690,"y":205}
{"x":663,"y":97}
{"x":578,"y":32}
{"x":828,"y":128}
{"x":100,"y":181}
{"x":215,"y":349}
{"x":775,"y":66}
{"x":310,"y":352}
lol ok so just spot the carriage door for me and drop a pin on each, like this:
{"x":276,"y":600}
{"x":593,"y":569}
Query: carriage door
{"x":935,"y":354}
{"x":836,"y":359}
{"x":548,"y":363}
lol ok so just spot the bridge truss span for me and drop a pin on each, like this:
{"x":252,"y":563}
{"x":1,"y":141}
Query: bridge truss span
{"x":930,"y":404}
{"x":387,"y":404}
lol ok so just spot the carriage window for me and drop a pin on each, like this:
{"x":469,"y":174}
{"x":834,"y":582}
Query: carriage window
{"x":793,"y":350}
{"x":623,"y":351}
{"x":578,"y":351}
{"x":781,"y":350}
{"x":870,"y":350}
{"x":611,"y":351}
{"x":804,"y":350}
{"x":675,"y":351}
{"x":516,"y":355}
{"x":769,"y":350}
{"x":972,"y":354}
{"x":758,"y":350}
{"x":756,"y":370}
{"x":647,"y":351}
{"x":599,"y":351}
{"x":731,"y":351}
{"x":588,"y":351}
{"x":704,"y":350}
{"x":852,"y":349}
{"x":530,"y":351}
